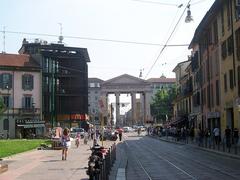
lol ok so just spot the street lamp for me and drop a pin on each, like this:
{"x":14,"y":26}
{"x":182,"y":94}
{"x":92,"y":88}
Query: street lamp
{"x":33,"y":121}
{"x":189,"y":18}
{"x":8,"y":105}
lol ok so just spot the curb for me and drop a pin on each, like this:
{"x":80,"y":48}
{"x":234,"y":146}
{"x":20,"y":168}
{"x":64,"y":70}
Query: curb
{"x":216,"y":152}
{"x":3,"y":168}
{"x":200,"y":148}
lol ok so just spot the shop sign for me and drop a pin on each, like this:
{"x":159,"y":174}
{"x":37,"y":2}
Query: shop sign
{"x":29,"y":121}
{"x":213,"y":115}
{"x":78,"y":117}
{"x":31,"y":125}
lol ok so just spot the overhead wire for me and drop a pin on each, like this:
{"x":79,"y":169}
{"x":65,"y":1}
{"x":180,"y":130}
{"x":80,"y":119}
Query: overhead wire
{"x":160,"y":3}
{"x":92,"y":39}
{"x":161,"y":51}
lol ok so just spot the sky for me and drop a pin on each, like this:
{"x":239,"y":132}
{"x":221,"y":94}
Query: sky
{"x":141,"y":21}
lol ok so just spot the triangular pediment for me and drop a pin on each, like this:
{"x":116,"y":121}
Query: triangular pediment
{"x":125,"y":79}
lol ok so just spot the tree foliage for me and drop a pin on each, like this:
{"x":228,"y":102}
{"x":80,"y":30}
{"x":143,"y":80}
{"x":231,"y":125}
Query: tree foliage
{"x":161,"y":107}
{"x":2,"y":105}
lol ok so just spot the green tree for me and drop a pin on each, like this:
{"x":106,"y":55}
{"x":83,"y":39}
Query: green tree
{"x":161,"y":107}
{"x":2,"y":105}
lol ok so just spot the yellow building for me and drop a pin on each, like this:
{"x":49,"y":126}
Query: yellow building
{"x":229,"y":44}
{"x":218,"y":40}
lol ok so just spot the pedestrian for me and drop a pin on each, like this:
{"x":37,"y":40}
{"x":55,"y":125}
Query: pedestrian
{"x":120,"y":131}
{"x":207,"y":135}
{"x":85,"y":137}
{"x":191,"y":134}
{"x":200,"y":136}
{"x":228,"y":136}
{"x":216,"y":133}
{"x":65,"y":140}
{"x":235,"y":136}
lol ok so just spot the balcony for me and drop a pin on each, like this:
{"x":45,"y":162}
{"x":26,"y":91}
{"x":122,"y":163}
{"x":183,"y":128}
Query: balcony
{"x":28,"y":111}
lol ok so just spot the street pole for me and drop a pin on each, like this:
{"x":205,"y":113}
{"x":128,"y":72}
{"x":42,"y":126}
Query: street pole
{"x":8,"y":111}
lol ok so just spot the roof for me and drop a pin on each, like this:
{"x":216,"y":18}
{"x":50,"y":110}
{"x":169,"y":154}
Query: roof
{"x":126,"y":76}
{"x":162,"y":80}
{"x":211,"y":13}
{"x":17,"y":60}
{"x":95,"y":80}
{"x":180,"y":64}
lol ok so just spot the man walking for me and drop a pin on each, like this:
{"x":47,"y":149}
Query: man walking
{"x":228,"y":136}
{"x":216,"y":133}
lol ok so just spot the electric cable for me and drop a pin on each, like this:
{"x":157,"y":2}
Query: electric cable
{"x":94,"y":39}
{"x":161,"y":51}
{"x":152,"y":2}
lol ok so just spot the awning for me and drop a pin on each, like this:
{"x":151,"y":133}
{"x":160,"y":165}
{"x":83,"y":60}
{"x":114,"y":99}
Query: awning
{"x":178,"y":121}
{"x":31,"y":125}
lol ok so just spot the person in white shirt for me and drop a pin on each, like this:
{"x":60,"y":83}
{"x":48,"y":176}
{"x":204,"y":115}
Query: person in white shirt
{"x":216,"y":133}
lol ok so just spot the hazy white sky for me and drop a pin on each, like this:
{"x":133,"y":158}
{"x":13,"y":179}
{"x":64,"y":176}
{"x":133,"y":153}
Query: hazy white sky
{"x":149,"y":21}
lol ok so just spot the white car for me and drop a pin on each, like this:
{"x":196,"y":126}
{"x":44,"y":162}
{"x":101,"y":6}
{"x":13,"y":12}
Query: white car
{"x":128,"y":129}
{"x":75,"y":130}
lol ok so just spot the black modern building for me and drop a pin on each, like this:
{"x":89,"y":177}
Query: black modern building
{"x":64,"y":82}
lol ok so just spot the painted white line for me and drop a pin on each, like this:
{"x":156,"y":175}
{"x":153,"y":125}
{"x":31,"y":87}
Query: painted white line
{"x":121,"y":174}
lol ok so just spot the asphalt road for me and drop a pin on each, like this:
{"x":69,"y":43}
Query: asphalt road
{"x":152,"y":159}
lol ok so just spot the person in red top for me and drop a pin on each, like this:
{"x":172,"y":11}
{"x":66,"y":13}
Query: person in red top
{"x":120,"y":131}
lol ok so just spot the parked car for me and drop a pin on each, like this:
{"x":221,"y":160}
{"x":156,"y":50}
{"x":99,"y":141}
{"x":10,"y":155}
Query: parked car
{"x":75,"y":130}
{"x":128,"y":129}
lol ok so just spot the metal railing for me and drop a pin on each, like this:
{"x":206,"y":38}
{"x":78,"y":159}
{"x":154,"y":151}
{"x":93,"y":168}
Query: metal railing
{"x":107,"y":163}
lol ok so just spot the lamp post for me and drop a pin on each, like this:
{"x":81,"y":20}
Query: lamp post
{"x":33,"y":121}
{"x":7,"y":87}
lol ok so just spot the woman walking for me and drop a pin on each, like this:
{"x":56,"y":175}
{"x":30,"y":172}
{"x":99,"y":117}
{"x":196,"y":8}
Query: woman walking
{"x":65,"y":143}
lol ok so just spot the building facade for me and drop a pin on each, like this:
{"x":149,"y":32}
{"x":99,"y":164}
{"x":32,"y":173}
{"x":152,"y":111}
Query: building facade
{"x":161,"y":83}
{"x":182,"y":103}
{"x":215,"y":68}
{"x":20,"y":88}
{"x":94,"y":94}
{"x":64,"y":78}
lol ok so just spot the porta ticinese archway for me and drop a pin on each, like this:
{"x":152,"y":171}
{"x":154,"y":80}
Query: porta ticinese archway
{"x":126,"y":84}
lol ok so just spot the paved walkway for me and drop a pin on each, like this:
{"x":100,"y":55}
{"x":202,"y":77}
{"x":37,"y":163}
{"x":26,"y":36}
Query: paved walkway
{"x":47,"y":164}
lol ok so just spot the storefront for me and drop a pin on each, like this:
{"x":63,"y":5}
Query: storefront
{"x":29,"y":128}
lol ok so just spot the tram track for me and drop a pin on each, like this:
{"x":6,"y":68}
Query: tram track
{"x":174,"y":162}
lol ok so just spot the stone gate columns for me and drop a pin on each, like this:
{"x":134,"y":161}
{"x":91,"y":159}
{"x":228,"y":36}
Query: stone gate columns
{"x":147,"y":114}
{"x":117,"y":107}
{"x":133,"y":98}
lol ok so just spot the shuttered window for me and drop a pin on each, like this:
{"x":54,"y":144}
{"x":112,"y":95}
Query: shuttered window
{"x":27,"y":82}
{"x":27,"y":102}
{"x":6,"y":81}
{"x":6,"y":124}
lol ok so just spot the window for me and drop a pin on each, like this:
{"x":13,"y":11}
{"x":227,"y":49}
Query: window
{"x":238,"y":74}
{"x":222,"y":20}
{"x":237,"y":9}
{"x":91,"y":85}
{"x":6,"y":81}
{"x":224,"y":50}
{"x":27,"y":82}
{"x":7,"y":101}
{"x":215,"y":32}
{"x":208,"y":96}
{"x":230,"y":45}
{"x":217,"y":93}
{"x":229,"y":15}
{"x":6,"y":124}
{"x":225,"y":82}
{"x":27,"y":102}
{"x":237,"y":33}
{"x":231,"y":78}
{"x":45,"y":65}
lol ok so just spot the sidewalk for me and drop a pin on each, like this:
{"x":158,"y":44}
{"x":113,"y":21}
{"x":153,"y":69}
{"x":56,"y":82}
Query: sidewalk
{"x":47,"y":164}
{"x":234,"y":152}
